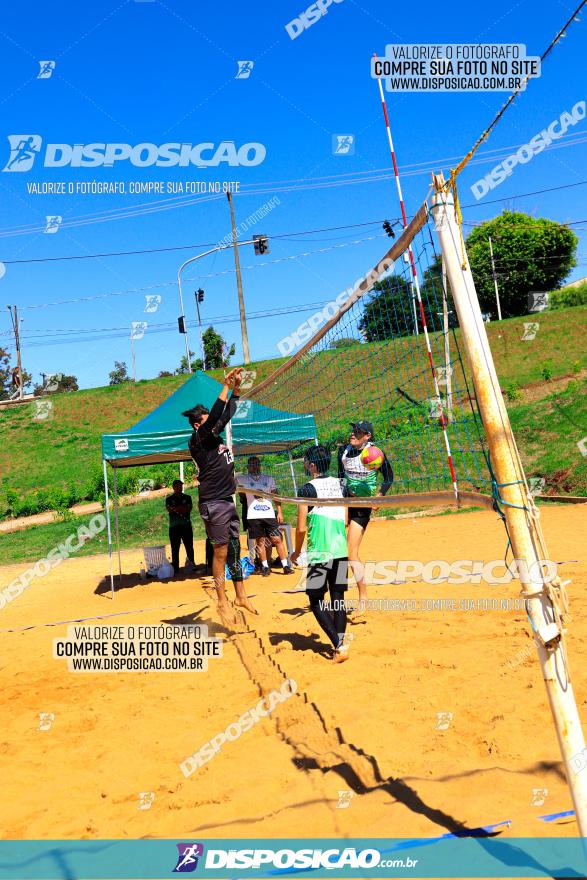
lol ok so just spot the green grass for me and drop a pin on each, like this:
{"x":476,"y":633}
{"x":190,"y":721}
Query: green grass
{"x":62,"y":455}
{"x":548,"y":431}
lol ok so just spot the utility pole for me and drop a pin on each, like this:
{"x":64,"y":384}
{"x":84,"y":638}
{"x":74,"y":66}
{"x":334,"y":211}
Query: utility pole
{"x":239,"y":286}
{"x":495,"y":281}
{"x":14,"y":318}
{"x":199,"y":295}
{"x":134,"y":360}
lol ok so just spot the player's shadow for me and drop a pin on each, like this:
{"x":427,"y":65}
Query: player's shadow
{"x":300,"y":642}
{"x":295,"y":612}
{"x":129,"y":581}
{"x":194,"y":618}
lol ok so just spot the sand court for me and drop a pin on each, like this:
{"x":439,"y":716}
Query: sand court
{"x":438,"y":723}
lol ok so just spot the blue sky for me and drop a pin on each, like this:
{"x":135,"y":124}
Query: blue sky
{"x":158,"y":72}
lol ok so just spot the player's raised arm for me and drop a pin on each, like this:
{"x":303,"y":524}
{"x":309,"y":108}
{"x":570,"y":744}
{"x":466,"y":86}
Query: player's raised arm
{"x":232,"y":382}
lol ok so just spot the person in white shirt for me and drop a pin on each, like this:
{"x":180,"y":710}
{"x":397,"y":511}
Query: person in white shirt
{"x":262,"y":522}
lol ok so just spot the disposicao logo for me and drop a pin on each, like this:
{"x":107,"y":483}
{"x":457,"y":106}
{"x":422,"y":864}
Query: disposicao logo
{"x":24,"y":149}
{"x":188,"y":855}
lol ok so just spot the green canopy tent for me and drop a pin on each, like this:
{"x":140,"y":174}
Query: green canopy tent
{"x":163,"y":436}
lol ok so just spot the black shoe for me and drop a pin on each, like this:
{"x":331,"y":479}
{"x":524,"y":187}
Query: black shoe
{"x":288,"y":569}
{"x":265,"y":572}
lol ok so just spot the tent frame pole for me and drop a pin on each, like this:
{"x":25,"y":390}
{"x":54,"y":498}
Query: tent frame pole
{"x":116,"y":522}
{"x":107,"y":508}
{"x":293,"y":475}
{"x":510,"y":482}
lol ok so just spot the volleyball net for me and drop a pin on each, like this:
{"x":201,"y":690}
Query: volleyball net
{"x":390,"y":355}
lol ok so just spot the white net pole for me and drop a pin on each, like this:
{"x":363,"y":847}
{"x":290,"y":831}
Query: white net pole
{"x":540,"y":590}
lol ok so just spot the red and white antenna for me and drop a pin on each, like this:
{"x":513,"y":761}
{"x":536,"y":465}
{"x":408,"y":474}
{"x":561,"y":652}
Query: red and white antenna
{"x":416,"y":282}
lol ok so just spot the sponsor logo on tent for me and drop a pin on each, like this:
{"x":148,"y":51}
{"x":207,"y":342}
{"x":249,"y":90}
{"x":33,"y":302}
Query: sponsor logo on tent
{"x":121,"y":445}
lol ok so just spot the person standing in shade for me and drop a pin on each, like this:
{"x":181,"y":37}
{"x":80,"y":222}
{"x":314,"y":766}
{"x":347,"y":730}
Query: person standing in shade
{"x":179,"y":508}
{"x":262,"y":521}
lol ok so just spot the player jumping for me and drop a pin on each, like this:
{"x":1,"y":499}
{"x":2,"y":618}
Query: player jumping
{"x":217,"y":487}
{"x":360,"y":481}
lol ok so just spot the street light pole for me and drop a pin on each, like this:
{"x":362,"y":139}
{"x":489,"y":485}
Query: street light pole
{"x":197,"y":296}
{"x":220,"y":247}
{"x":239,"y":286}
{"x":15,"y":324}
{"x":187,"y":343}
{"x":495,"y":281}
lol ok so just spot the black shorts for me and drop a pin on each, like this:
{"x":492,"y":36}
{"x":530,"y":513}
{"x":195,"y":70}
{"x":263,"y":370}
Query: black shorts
{"x":360,"y":515}
{"x":333,"y":574}
{"x":220,"y":520}
{"x":263,"y":528}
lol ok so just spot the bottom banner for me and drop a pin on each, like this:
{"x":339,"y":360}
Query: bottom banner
{"x":449,"y":856}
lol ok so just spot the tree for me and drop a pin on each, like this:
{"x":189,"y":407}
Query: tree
{"x":56,"y":383}
{"x":217,"y":352}
{"x":119,"y":374}
{"x":392,"y":308}
{"x":9,"y":376}
{"x":344,"y":342}
{"x":531,"y":254}
{"x":183,"y":365}
{"x":164,"y":374}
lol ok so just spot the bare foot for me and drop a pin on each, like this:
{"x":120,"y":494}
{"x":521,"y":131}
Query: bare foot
{"x":246,"y":604}
{"x":360,"y":613}
{"x":227,"y":615}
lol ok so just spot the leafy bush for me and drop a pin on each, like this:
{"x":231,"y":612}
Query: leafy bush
{"x":567,"y":297}
{"x":512,"y":392}
{"x":546,"y":371}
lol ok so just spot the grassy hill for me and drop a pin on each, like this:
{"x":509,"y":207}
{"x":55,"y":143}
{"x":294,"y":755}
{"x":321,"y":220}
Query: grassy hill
{"x":54,"y":463}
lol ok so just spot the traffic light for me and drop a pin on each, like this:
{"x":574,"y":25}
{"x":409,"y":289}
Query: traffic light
{"x":388,"y":229}
{"x":181,"y":323}
{"x":200,"y":295}
{"x":261,"y":244}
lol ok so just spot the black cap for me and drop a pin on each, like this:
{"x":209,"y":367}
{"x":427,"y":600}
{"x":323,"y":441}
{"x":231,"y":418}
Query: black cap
{"x":364,"y":427}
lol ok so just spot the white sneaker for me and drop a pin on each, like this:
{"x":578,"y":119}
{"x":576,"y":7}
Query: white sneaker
{"x":341,"y":654}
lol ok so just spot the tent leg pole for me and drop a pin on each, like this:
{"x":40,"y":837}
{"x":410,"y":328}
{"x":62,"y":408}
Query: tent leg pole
{"x":181,"y":471}
{"x":116,"y":521}
{"x":107,"y":506}
{"x":293,"y":475}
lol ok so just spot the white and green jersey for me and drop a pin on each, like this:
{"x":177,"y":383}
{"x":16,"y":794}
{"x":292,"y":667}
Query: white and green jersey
{"x":358,"y":479}
{"x":326,"y":525}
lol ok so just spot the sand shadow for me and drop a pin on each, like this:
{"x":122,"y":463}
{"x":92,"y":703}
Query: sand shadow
{"x":194,"y":618}
{"x":129,"y":581}
{"x":300,"y":642}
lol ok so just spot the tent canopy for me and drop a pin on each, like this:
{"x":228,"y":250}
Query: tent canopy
{"x":164,"y":434}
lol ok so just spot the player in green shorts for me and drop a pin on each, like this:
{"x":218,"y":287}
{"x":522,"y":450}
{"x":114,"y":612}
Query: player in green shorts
{"x":327,"y":548}
{"x":362,"y":482}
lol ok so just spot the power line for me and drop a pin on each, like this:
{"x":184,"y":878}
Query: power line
{"x":211,"y":275}
{"x":321,"y":182}
{"x":181,"y":247}
{"x":535,"y":192}
{"x":282,"y":235}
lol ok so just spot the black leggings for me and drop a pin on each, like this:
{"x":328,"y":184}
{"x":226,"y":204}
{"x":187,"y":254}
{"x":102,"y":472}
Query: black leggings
{"x":332,"y":619}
